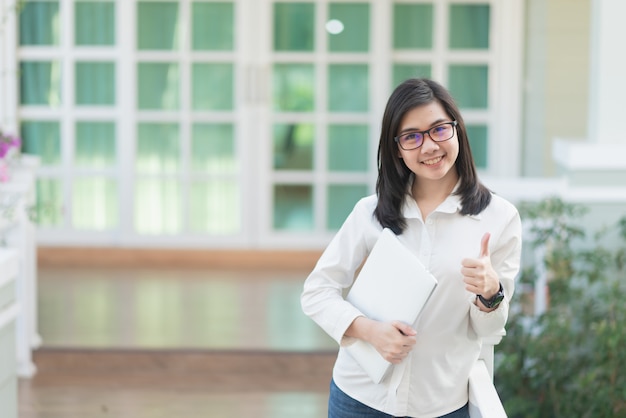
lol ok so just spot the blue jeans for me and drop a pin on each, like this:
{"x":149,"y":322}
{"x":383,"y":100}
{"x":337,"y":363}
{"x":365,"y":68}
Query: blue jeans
{"x":341,"y":405}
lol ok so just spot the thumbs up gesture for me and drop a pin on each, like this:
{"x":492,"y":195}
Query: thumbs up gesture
{"x":478,"y":275}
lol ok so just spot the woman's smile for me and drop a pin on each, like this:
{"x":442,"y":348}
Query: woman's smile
{"x":433,"y":161}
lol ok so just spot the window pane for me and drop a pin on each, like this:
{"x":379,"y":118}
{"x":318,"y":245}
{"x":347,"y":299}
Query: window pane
{"x":294,"y":87}
{"x":158,"y":86}
{"x":157,"y":207}
{"x":402,"y":72}
{"x":213,"y":148}
{"x":213,"y":26}
{"x":39,"y":23}
{"x":95,"y":83}
{"x":348,"y":148}
{"x":157,"y":25}
{"x":95,"y":23}
{"x":215,"y":207}
{"x":478,"y":143}
{"x":95,"y":145}
{"x":341,"y":201}
{"x":293,"y":146}
{"x":157,"y":148}
{"x":413,"y":26}
{"x":469,"y":85}
{"x":348,"y":88}
{"x":95,"y":204}
{"x":293,"y":26}
{"x":40,"y":83}
{"x":355,"y":18}
{"x":469,"y":26}
{"x":49,"y":211}
{"x":42,"y":138}
{"x":212,"y":86}
{"x":293,"y":207}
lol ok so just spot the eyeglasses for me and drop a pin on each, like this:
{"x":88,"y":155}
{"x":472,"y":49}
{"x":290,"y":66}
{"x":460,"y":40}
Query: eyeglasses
{"x":415,"y":139}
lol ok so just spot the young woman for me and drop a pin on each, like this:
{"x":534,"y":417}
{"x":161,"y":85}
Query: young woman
{"x":429,"y":195}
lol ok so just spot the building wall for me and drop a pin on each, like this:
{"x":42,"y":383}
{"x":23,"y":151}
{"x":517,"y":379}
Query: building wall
{"x":556,"y":80}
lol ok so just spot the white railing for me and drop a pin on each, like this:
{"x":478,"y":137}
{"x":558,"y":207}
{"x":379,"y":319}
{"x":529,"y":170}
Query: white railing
{"x":18,"y":233}
{"x":483,"y":398}
{"x":9,"y":313}
{"x":484,"y":401}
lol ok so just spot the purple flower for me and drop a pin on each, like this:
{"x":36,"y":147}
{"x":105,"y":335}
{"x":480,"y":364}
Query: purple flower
{"x":7,"y":142}
{"x":4,"y":148}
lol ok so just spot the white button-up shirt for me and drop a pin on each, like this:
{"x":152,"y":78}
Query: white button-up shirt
{"x":433,"y":379}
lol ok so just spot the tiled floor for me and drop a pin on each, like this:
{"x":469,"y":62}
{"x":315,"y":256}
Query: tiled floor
{"x":148,"y":343}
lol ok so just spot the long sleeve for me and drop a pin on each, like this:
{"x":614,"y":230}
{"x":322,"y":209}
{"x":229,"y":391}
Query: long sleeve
{"x":505,"y":259}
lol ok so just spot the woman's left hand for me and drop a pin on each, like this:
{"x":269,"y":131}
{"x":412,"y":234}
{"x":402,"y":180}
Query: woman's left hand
{"x":479,"y":276}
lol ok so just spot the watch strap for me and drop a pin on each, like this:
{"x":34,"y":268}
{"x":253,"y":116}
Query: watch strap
{"x":495,"y":300}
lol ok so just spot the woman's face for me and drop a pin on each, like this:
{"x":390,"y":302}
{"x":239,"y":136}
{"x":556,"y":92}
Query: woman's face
{"x":432,"y":161}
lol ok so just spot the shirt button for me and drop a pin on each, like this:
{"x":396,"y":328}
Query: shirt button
{"x":429,"y":222}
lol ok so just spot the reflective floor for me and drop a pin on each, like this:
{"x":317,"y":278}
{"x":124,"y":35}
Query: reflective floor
{"x":139,"y":342}
{"x":176,"y":308}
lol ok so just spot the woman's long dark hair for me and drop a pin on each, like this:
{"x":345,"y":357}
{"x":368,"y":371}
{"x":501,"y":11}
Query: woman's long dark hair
{"x":394,"y":175}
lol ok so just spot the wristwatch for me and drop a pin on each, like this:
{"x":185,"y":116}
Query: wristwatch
{"x":495,"y":299}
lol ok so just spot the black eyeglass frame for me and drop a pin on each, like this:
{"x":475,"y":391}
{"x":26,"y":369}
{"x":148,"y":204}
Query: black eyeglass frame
{"x":424,"y":133}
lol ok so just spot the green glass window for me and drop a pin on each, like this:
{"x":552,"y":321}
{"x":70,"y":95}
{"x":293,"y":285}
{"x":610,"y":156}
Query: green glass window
{"x":157,"y":206}
{"x":402,"y":72}
{"x":413,"y":26}
{"x":469,"y":85}
{"x":95,"y":83}
{"x":213,"y":148}
{"x":39,"y":23}
{"x":158,"y":86}
{"x":213,"y":25}
{"x":42,"y":138}
{"x":40,"y":83}
{"x":294,"y":28}
{"x":348,"y":148}
{"x":212,"y":86}
{"x":469,"y":26}
{"x":94,"y":23}
{"x":348,"y":88}
{"x":95,"y":203}
{"x":293,"y":87}
{"x":157,"y":148}
{"x":293,"y":146}
{"x":354,"y":19}
{"x":293,"y":207}
{"x":95,"y":145}
{"x":215,"y":207}
{"x":478,"y":143}
{"x":157,"y":25}
{"x":49,"y":210}
{"x":341,"y":201}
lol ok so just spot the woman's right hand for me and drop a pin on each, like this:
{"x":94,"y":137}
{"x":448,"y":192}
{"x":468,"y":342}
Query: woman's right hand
{"x":393,"y":340}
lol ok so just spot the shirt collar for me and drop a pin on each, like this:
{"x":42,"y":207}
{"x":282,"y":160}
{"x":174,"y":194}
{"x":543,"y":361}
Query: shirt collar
{"x":452,"y":204}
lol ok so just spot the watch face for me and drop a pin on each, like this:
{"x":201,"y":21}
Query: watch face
{"x":496,"y":301}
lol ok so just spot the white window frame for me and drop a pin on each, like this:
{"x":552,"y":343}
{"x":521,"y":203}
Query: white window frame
{"x":253,"y":115}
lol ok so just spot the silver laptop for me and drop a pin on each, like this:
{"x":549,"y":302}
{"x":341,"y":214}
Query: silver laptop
{"x":392,"y":285}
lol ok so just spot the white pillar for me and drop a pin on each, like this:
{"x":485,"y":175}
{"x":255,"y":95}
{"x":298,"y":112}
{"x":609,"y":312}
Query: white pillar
{"x":8,"y":67}
{"x":607,"y":85}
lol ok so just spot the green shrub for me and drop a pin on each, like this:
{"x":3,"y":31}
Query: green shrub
{"x":569,"y":361}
